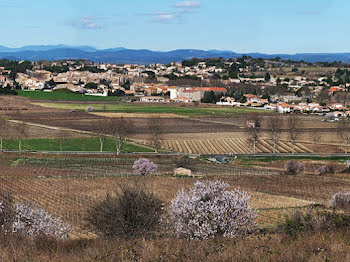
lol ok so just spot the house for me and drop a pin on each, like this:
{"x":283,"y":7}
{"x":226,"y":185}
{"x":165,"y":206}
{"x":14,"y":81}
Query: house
{"x":285,"y":108}
{"x":2,"y":79}
{"x":129,"y":92}
{"x":152,"y":99}
{"x":193,"y":94}
{"x":151,"y":91}
{"x":97,"y":94}
{"x":334,"y":89}
{"x":337,"y":106}
{"x":254,"y":99}
{"x":183,"y":99}
{"x":320,"y":109}
{"x":253,"y":104}
{"x":202,"y":90}
{"x":339,"y":114}
{"x":271,"y":107}
{"x":228,"y":101}
{"x":162,"y":90}
{"x":163,"y":79}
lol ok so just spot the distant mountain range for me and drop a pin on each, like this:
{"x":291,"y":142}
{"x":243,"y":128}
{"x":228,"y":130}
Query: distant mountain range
{"x":121,"y":55}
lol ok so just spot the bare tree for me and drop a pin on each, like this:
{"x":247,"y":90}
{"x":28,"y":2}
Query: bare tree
{"x":275,"y":130}
{"x":315,"y":138}
{"x":120,"y":128}
{"x":294,"y":124}
{"x":253,"y":128}
{"x":156,"y":128}
{"x":61,"y":137}
{"x":342,"y":97}
{"x":21,"y":132}
{"x":20,"y":129}
{"x":101,"y":129}
{"x":4,"y":129}
{"x":323,"y":96}
{"x":344,"y":132}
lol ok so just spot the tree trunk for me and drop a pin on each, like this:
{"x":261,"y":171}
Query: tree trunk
{"x":293,"y":147}
{"x":1,"y":145}
{"x":155,"y":143}
{"x":101,"y":144}
{"x":254,"y":146}
{"x":118,"y":145}
{"x":274,"y":147}
{"x":20,"y":145}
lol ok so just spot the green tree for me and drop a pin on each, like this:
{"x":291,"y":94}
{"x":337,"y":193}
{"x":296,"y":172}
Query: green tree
{"x":209,"y":97}
{"x":126,"y":85}
{"x":91,"y":85}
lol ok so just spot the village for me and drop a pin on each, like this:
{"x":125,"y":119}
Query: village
{"x":270,"y":84}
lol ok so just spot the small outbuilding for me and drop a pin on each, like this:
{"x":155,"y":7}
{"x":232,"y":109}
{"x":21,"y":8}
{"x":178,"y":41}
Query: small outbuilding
{"x":182,"y":172}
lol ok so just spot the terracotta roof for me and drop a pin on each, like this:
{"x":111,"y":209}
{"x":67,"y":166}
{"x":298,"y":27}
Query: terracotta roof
{"x":215,"y":89}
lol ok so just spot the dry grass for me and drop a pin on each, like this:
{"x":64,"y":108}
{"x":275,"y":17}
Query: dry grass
{"x":329,"y":246}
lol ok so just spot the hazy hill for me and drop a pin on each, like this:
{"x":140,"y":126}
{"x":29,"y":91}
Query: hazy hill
{"x":143,"y":56}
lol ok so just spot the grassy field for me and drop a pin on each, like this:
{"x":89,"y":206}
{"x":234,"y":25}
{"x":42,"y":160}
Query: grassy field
{"x":158,"y":109}
{"x":71,"y":144}
{"x":63,"y":96}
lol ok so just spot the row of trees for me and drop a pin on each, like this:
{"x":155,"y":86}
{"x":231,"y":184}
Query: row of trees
{"x":120,"y":128}
{"x":117,"y":128}
{"x":274,"y":129}
{"x":293,"y":126}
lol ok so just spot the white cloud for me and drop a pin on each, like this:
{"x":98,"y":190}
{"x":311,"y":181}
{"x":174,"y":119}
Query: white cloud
{"x":187,"y":4}
{"x":160,"y":17}
{"x":89,"y":22}
{"x":179,"y":10}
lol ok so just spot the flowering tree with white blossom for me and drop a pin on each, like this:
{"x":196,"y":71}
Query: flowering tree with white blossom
{"x":144,"y":167}
{"x":32,"y":221}
{"x":209,"y":209}
{"x":340,"y":200}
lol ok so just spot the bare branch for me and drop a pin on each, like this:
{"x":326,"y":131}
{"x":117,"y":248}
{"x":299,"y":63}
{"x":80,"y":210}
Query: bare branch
{"x":119,"y":128}
{"x":294,"y":129}
{"x":156,"y":128}
{"x":275,"y":130}
{"x":253,"y":128}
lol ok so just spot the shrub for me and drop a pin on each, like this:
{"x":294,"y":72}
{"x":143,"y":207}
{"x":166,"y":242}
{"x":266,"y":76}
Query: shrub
{"x":33,"y":221}
{"x":186,"y":162}
{"x":293,"y":167}
{"x":324,"y":170}
{"x":340,"y":200}
{"x":347,"y":164}
{"x":89,"y":109}
{"x":144,"y":167}
{"x":7,"y":212}
{"x":133,"y":212}
{"x":208,"y":209}
{"x":314,"y":221}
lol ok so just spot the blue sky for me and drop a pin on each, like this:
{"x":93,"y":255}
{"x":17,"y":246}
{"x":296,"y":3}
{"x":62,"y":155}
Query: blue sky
{"x":269,"y":26}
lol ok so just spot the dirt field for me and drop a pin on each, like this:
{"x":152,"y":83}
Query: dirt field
{"x":200,"y":134}
{"x":134,"y":115}
{"x":68,"y":186}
